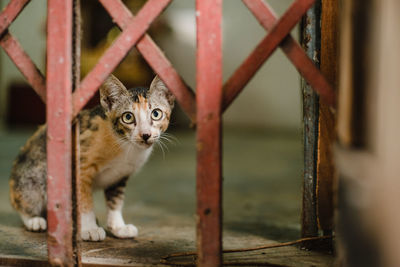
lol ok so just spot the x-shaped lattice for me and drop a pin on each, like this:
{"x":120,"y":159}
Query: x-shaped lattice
{"x":279,"y":35}
{"x":134,"y":33}
{"x":15,"y":51}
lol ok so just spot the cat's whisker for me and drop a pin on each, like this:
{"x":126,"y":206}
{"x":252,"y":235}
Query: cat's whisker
{"x":170,"y":138}
{"x":164,"y":145}
{"x":162,"y":149}
{"x":172,"y":142}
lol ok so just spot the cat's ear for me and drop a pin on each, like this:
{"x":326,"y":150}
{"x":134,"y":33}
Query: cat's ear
{"x":158,"y":87}
{"x":112,"y":93}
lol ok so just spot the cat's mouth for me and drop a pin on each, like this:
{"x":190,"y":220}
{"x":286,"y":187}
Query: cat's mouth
{"x":147,"y":143}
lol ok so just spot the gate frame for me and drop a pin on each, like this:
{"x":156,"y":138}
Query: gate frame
{"x":67,"y":95}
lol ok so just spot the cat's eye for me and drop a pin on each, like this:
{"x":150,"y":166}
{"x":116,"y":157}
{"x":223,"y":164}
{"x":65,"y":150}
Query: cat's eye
{"x":156,"y":114}
{"x":128,"y":118}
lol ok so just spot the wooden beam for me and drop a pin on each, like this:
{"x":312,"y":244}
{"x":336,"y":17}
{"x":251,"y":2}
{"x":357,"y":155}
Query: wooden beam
{"x":326,"y":126}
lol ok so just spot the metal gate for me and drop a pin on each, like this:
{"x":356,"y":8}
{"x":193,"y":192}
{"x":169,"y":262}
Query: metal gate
{"x":65,"y":95}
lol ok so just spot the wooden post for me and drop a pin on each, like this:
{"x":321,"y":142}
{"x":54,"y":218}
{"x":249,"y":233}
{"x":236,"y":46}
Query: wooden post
{"x":209,"y":159}
{"x":326,"y":125}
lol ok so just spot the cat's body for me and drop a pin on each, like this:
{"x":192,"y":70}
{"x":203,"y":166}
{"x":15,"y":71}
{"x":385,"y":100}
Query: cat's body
{"x":116,"y":139}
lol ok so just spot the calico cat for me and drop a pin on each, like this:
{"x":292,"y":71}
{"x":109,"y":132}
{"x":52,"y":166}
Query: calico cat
{"x":116,"y":139}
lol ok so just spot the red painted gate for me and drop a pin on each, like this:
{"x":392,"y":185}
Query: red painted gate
{"x":65,"y":96}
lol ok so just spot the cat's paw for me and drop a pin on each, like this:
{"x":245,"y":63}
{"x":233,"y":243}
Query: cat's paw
{"x":126,"y":231}
{"x":94,"y":234}
{"x":36,"y":224}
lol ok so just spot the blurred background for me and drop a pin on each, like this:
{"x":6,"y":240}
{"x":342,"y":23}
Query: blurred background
{"x":263,"y":151}
{"x":271,"y":99}
{"x":262,"y":145}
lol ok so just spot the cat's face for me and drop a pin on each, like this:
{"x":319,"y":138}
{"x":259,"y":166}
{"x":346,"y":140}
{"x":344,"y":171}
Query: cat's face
{"x":139,"y":115}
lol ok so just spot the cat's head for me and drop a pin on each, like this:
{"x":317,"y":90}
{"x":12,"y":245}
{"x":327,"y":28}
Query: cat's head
{"x":138,"y":115}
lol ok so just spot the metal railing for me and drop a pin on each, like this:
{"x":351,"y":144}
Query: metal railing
{"x":65,"y":96}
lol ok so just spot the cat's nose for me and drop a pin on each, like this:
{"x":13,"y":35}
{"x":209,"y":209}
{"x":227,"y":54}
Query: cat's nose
{"x":146,"y":137}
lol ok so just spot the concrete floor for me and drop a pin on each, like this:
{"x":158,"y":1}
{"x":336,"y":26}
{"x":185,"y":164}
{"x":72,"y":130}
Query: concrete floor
{"x":262,"y":201}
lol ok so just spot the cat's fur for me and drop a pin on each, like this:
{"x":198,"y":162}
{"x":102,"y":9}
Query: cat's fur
{"x":112,"y":147}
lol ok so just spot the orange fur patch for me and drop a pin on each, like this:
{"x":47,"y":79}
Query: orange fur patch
{"x":142,"y":104}
{"x":95,"y":157}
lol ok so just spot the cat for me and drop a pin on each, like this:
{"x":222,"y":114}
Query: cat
{"x":116,"y":139}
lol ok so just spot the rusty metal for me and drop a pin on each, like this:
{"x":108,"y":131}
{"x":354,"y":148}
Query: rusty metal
{"x":311,"y":36}
{"x":116,"y":52}
{"x":76,"y":77}
{"x":209,"y":158}
{"x":10,"y":13}
{"x":23,"y":62}
{"x":59,"y":141}
{"x":76,"y":215}
{"x":267,"y":18}
{"x":16,"y":52}
{"x":155,"y":58}
{"x":63,"y":77}
{"x":265,"y":49}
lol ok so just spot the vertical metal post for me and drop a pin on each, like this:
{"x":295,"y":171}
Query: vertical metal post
{"x":311,"y":41}
{"x":59,"y":141}
{"x":209,"y":158}
{"x":76,"y":77}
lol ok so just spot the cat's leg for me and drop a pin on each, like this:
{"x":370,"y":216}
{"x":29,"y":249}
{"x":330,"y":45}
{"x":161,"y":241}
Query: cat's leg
{"x":28,"y":197}
{"x":115,"y":222}
{"x":90,"y":231}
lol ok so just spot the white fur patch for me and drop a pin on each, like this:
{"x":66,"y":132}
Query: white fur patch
{"x":34,"y":224}
{"x":128,"y":162}
{"x":114,"y":219}
{"x":126,"y":231}
{"x":117,"y":226}
{"x":89,"y":229}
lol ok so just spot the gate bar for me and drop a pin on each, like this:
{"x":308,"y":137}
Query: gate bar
{"x":116,"y":52}
{"x":24,"y":63}
{"x":59,"y":140}
{"x":16,"y":52}
{"x":10,"y":13}
{"x":264,"y":50}
{"x":295,"y":53}
{"x":155,"y":58}
{"x":311,"y":41}
{"x":209,"y":158}
{"x":75,"y":132}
